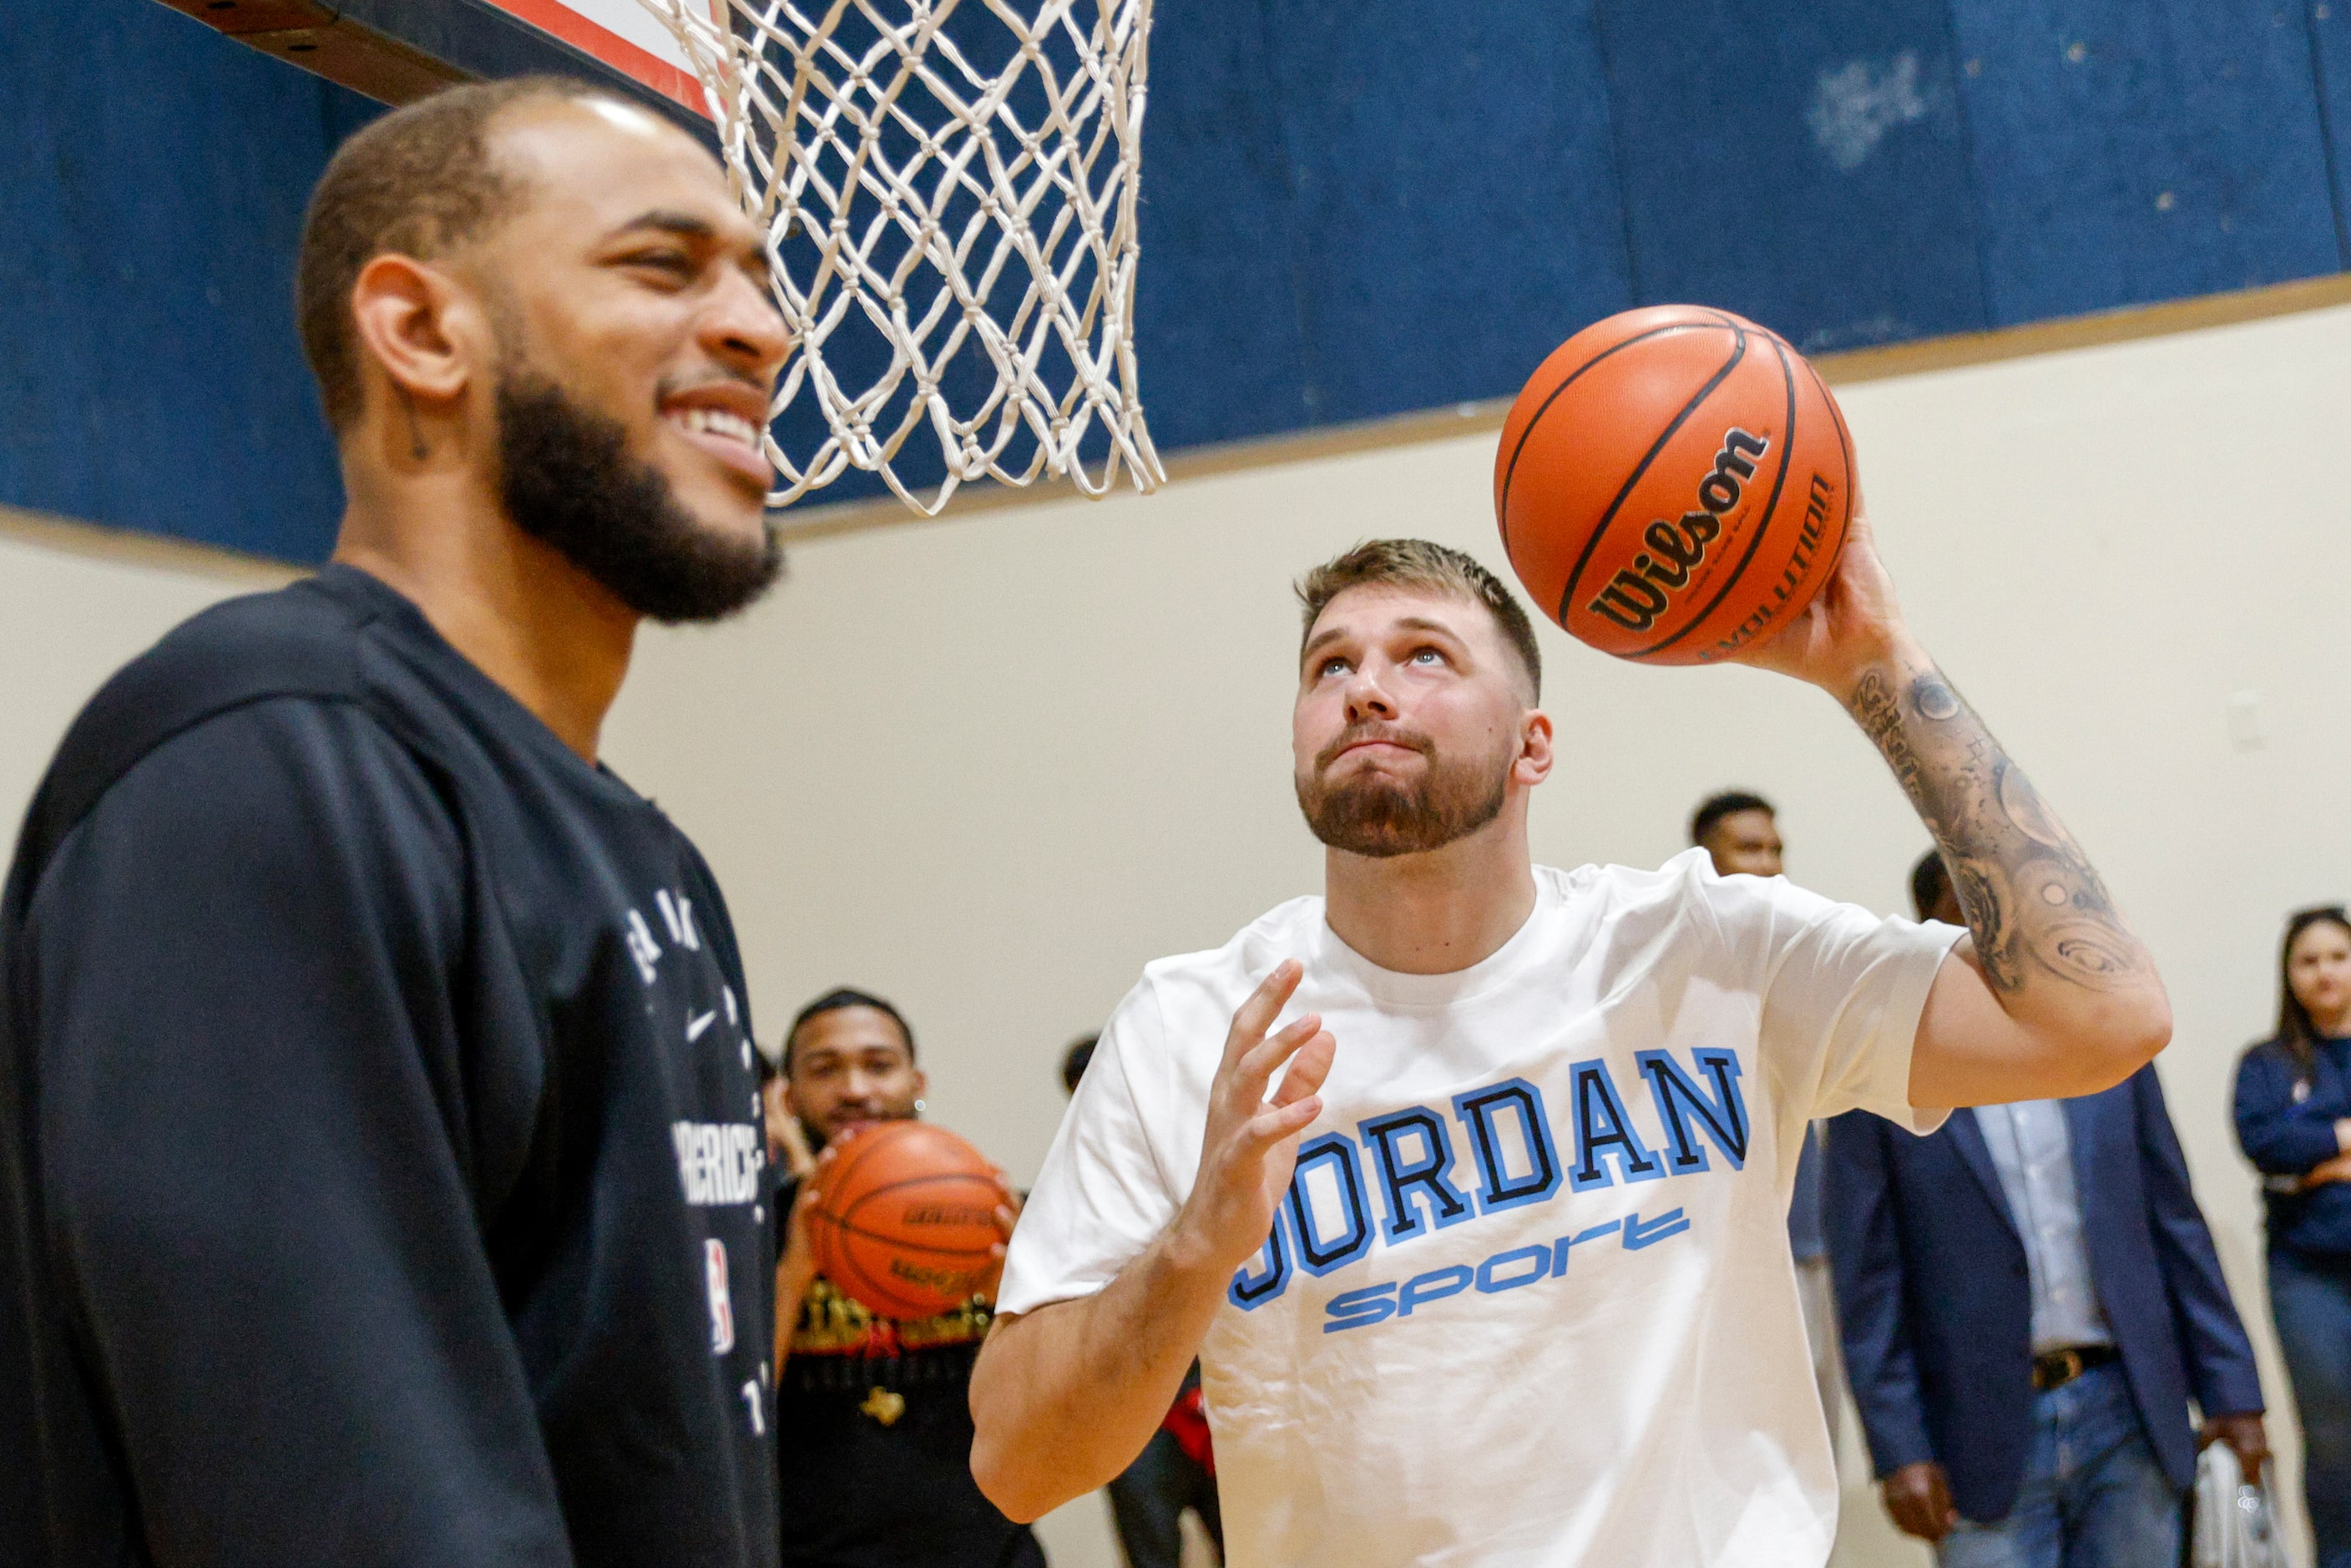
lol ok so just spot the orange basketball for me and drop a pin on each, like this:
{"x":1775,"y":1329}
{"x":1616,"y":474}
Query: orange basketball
{"x":905,"y":1219}
{"x":1674,"y":484}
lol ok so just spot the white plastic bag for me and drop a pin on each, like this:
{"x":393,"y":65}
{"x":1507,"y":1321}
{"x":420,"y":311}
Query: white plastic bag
{"x":2231,"y":1526}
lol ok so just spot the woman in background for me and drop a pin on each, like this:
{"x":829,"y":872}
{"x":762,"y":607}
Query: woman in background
{"x":2293,"y":1122}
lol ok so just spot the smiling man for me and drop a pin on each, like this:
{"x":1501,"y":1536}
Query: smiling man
{"x":1498,"y":1273}
{"x":380,"y":1144}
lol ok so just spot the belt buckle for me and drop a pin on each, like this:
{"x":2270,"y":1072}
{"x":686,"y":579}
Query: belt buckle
{"x":2068,"y":1367}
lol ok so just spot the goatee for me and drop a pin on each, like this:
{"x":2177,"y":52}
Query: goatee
{"x":568,"y":480}
{"x":1381,"y":817}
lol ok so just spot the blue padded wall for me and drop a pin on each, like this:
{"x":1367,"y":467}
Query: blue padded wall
{"x":1806,"y":166}
{"x":2330,"y":64}
{"x":1348,"y":210}
{"x":2128,"y":152}
{"x":1218,"y":284}
{"x":1457,"y":202}
{"x":150,"y":376}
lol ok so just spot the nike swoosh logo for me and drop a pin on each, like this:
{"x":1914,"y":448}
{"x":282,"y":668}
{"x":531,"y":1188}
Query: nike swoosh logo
{"x":695,"y":1026}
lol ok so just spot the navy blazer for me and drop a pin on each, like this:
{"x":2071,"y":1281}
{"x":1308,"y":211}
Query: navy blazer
{"x":1935,"y":1305}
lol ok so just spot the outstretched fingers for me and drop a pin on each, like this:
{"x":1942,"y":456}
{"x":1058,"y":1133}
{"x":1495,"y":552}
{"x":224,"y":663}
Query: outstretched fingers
{"x":1309,"y":1066}
{"x":1256,"y":1015}
{"x":1299,"y":1100}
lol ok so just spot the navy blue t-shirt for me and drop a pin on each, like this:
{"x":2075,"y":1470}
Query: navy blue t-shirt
{"x":380,"y":1147}
{"x":2285,"y":1123}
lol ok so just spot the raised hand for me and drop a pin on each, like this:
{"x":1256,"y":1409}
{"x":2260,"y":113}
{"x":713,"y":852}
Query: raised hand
{"x":1853,"y":621}
{"x":1251,"y":1145}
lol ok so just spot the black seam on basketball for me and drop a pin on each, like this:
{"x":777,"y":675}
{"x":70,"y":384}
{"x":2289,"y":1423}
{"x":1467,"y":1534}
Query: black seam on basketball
{"x":847,"y":1218}
{"x":1511,"y":473}
{"x":1771,"y":506}
{"x":865,"y":1198}
{"x":859,"y":1148}
{"x":900,"y":1244}
{"x":879,"y":1288}
{"x":875,"y":1290}
{"x":1844,"y":449}
{"x":1608,"y":518}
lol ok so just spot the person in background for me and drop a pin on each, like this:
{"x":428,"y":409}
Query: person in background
{"x":2030,"y":1299}
{"x":873,"y":1417}
{"x":2293,"y":1122}
{"x":1740,"y":834}
{"x":1176,"y":1468}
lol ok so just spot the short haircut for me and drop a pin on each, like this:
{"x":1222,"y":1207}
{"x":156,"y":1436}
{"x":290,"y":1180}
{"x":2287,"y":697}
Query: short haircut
{"x":841,"y":997}
{"x":1930,"y":879}
{"x":1429,"y":567}
{"x":420,"y":182}
{"x":1730,"y":803}
{"x":1074,"y":1063}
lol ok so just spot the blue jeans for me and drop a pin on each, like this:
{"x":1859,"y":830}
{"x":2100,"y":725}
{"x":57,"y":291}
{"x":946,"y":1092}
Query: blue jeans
{"x":2310,"y":1301}
{"x":2093,"y":1496}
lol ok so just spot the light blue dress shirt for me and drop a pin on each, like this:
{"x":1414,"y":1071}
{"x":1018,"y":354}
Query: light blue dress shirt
{"x":2035,"y":1160}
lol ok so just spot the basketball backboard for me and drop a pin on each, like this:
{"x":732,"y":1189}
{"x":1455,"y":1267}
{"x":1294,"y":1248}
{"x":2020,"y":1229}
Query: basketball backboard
{"x":396,"y":50}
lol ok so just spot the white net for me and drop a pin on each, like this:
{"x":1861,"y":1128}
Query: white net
{"x":949,"y":193}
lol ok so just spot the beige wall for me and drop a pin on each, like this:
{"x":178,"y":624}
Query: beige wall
{"x":989,"y":767}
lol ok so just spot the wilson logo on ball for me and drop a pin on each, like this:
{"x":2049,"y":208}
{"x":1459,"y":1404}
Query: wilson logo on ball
{"x":1639,"y":593}
{"x":1682,"y":412}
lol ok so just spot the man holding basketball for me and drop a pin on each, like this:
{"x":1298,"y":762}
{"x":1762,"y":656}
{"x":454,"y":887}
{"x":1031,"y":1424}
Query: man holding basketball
{"x":1468,"y":1181}
{"x":872,"y":1413}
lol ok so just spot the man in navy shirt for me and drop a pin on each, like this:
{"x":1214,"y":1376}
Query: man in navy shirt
{"x":2029,"y":1300}
{"x":379,"y":1146}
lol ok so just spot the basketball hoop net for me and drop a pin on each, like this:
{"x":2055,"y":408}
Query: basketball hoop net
{"x":949,"y":191}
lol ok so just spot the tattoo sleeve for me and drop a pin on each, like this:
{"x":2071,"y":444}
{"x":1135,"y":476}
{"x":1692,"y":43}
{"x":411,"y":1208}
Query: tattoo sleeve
{"x":2034,"y":904}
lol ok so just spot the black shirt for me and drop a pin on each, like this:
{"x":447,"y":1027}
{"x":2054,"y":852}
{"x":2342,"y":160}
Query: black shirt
{"x":378,"y":1141}
{"x":874,"y":1439}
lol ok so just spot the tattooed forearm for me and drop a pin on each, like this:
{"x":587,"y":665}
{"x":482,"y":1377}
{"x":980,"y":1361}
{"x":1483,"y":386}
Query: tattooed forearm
{"x":2033,"y":900}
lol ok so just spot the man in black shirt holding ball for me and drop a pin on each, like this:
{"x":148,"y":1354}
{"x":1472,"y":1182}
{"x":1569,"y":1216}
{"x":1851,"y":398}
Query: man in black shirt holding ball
{"x":380,"y":1147}
{"x":873,"y":1415}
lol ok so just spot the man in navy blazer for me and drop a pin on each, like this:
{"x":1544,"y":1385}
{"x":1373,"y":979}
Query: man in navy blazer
{"x":2029,"y":1300}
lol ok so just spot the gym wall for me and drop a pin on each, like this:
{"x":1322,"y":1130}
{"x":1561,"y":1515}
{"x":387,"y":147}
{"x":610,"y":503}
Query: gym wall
{"x":1349,"y":211}
{"x":989,"y":767}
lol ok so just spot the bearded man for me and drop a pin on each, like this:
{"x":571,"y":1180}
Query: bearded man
{"x":1498,"y":1273}
{"x":380,"y":1141}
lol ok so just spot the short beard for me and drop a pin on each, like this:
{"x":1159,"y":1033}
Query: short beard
{"x":1382,"y":817}
{"x":568,"y":480}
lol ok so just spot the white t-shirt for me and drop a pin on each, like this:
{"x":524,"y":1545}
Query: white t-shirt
{"x":1530,"y":1299}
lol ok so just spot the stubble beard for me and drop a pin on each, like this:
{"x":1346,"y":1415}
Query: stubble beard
{"x":1380,"y":817}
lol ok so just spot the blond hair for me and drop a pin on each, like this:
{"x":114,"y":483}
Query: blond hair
{"x":1428,"y":567}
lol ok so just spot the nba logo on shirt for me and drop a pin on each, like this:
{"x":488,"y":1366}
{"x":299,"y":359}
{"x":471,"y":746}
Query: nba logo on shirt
{"x":722,"y":1305}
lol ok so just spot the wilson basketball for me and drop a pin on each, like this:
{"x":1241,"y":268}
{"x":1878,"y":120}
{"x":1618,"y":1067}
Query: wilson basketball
{"x":1674,"y":484}
{"x":905,"y":1219}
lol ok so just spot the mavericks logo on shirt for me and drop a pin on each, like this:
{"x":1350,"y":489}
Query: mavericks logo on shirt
{"x":1408,"y":1173}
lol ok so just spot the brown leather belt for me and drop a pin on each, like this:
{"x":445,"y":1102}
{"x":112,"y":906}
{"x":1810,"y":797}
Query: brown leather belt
{"x":2060,"y":1367}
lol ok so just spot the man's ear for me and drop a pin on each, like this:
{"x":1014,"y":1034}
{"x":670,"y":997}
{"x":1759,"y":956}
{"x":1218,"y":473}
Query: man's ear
{"x":418,"y":326}
{"x":1535,"y":754}
{"x":922,"y":1083}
